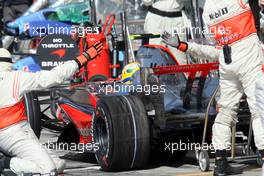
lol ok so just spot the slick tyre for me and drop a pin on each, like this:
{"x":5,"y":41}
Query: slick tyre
{"x":96,"y":78}
{"x":33,"y":112}
{"x":121,"y":133}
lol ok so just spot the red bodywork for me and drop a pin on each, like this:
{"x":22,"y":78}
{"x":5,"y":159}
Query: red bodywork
{"x":81,"y":120}
{"x":190,"y":69}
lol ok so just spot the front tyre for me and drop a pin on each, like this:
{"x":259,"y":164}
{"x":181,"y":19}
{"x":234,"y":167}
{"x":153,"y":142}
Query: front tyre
{"x":121,"y":132}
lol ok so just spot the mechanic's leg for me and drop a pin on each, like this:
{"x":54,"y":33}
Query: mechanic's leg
{"x":59,"y":163}
{"x":28,"y":154}
{"x":230,"y":95}
{"x":258,"y":114}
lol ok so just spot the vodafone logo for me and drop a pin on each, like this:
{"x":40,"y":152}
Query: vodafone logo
{"x":56,"y":49}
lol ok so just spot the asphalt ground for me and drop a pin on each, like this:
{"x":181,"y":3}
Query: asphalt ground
{"x":85,"y":164}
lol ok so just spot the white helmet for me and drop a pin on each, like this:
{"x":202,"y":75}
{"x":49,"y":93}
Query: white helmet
{"x":5,"y":55}
{"x":5,"y":60}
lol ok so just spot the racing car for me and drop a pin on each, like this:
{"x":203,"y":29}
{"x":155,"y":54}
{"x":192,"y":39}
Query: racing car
{"x":125,"y":123}
{"x":161,"y":103}
{"x":156,"y":103}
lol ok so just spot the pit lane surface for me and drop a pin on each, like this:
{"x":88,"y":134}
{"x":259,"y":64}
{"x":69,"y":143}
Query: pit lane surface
{"x":85,"y":164}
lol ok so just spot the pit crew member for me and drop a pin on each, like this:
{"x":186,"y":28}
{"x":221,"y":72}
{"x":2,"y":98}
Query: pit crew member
{"x":240,"y":55}
{"x":23,"y":151}
{"x":166,"y":15}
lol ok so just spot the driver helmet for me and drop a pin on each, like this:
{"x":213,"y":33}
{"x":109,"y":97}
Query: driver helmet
{"x":129,"y":72}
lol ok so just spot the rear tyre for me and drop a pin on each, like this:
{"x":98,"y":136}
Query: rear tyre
{"x":33,"y":112}
{"x":121,"y":132}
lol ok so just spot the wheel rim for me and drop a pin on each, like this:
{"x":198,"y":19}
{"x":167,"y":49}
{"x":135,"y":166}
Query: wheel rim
{"x":197,"y":155}
{"x":101,"y":135}
{"x":202,"y":161}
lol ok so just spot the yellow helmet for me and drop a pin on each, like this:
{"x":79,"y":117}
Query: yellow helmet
{"x":129,"y":71}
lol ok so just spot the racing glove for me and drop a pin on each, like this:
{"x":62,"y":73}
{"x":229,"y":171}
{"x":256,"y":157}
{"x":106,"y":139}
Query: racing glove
{"x":92,"y":52}
{"x":174,"y":41}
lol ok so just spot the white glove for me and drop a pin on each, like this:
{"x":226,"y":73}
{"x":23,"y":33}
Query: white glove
{"x":169,"y":40}
{"x":174,"y":41}
{"x":147,"y":2}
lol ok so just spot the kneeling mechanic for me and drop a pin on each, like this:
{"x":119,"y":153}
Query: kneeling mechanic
{"x":23,"y":153}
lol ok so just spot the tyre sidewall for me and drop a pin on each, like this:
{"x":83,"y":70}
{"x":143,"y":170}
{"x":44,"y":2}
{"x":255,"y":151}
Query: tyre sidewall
{"x":33,"y":112}
{"x":104,"y":158}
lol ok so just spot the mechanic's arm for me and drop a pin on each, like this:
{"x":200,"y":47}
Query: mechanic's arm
{"x":194,"y":49}
{"x":45,"y":79}
{"x":203,"y":51}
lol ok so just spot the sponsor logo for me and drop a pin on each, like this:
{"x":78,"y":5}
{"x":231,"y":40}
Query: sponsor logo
{"x":218,"y":13}
{"x":60,"y":52}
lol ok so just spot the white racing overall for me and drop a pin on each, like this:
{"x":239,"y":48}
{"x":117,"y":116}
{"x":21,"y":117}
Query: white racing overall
{"x":157,"y":24}
{"x":16,"y":137}
{"x":232,"y":23}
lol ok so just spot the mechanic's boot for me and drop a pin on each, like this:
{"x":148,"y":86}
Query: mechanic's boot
{"x":4,"y":162}
{"x":222,"y":168}
{"x":261,"y":153}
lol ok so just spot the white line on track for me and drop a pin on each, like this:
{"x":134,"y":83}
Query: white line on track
{"x":83,"y":168}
